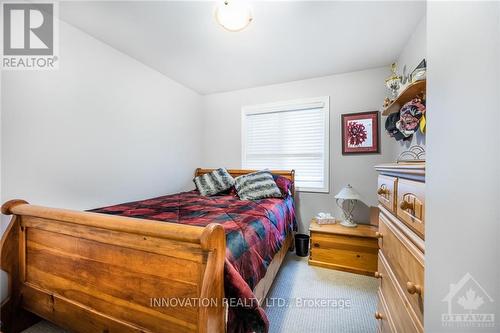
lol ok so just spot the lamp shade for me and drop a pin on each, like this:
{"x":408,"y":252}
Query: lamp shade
{"x":348,"y":193}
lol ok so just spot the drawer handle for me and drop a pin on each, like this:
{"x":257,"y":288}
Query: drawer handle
{"x":406,"y":205}
{"x":378,"y":275}
{"x":316,"y":244}
{"x":413,"y":288}
{"x":378,"y":315}
{"x":379,"y":235}
{"x":382,"y":191}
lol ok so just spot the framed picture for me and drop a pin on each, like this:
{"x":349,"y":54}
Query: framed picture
{"x":360,"y":133}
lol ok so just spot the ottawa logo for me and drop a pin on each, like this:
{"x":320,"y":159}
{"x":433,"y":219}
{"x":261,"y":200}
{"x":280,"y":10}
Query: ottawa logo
{"x":467,"y":305}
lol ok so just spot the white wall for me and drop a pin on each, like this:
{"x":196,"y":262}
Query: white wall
{"x":102,"y":129}
{"x":415,"y":49}
{"x":463,"y":164}
{"x":412,"y":54}
{"x":351,"y":92}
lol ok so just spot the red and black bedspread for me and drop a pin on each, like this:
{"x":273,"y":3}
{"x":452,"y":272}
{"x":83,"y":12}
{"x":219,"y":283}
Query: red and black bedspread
{"x":255,"y":232}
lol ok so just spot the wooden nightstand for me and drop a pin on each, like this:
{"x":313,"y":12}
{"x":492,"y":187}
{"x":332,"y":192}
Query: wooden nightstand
{"x":347,"y":249}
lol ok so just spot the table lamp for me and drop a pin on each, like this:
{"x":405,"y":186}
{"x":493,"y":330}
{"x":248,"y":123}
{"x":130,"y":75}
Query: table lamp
{"x":346,"y":199}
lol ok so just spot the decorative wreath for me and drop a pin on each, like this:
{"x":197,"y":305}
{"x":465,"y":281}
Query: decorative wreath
{"x":356,"y":133}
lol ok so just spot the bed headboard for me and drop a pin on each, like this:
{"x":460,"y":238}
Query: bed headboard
{"x":290,"y":174}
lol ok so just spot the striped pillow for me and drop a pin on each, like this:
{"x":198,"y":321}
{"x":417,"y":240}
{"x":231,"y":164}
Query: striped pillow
{"x":214,"y":182}
{"x":257,"y":185}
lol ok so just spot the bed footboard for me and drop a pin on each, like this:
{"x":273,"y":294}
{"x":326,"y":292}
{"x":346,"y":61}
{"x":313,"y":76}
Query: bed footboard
{"x":91,"y":272}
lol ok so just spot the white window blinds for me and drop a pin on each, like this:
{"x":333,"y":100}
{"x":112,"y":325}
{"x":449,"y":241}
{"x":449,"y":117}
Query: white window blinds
{"x":289,"y":135}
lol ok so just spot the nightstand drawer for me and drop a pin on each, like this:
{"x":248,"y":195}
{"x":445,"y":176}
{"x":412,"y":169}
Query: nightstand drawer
{"x":357,"y":262}
{"x":348,"y":253}
{"x":343,"y":242}
{"x":411,"y":205}
{"x":386,"y":192}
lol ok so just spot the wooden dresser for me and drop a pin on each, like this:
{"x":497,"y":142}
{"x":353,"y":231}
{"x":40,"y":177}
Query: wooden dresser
{"x":401,"y":196}
{"x":347,"y":249}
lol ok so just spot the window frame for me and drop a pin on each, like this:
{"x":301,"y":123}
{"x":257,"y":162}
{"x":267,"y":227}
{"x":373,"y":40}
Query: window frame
{"x":293,"y":105}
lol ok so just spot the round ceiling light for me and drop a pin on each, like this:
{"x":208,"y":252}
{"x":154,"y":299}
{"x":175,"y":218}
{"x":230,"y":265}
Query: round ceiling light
{"x":233,"y":15}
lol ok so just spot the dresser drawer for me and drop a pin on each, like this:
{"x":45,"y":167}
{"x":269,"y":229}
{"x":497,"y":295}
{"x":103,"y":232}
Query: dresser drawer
{"x":386,"y":192}
{"x":406,"y":262}
{"x":385,"y":323}
{"x":348,"y":253}
{"x":399,"y":311}
{"x":411,"y":205}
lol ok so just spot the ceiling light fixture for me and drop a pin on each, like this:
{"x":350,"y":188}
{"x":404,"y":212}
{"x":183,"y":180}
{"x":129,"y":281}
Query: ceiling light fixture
{"x":233,"y":15}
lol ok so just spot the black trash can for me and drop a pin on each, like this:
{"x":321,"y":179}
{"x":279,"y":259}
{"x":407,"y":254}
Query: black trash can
{"x":302,"y":245}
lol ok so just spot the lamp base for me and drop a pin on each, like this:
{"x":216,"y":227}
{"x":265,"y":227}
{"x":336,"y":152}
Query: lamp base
{"x":348,"y":224}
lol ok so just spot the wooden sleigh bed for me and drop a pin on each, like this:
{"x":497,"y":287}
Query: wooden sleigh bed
{"x":149,"y":259}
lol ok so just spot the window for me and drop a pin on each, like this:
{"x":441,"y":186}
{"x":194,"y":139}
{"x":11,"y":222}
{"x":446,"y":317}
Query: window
{"x":289,"y":135}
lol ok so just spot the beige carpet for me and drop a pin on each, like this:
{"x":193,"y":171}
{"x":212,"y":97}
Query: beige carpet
{"x":309,"y":299}
{"x":312,"y":297}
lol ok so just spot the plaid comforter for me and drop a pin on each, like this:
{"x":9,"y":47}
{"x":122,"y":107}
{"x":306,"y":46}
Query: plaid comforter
{"x":255,"y":232}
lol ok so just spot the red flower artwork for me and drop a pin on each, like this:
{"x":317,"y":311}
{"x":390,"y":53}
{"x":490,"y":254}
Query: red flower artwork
{"x":360,"y":133}
{"x":356,"y":133}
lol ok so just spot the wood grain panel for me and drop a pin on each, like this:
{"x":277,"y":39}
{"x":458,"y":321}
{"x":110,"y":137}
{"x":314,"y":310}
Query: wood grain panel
{"x":147,"y":262}
{"x":385,"y":322}
{"x":405,"y":230}
{"x":362,"y":230}
{"x":73,"y":316}
{"x":106,"y":287}
{"x":157,"y":319}
{"x":213,"y":240}
{"x":107,"y":278}
{"x":350,"y":243}
{"x":143,"y":227}
{"x":172,"y":248}
{"x":400,"y":311}
{"x":411,"y":205}
{"x":407,"y":264}
{"x":386,"y":192}
{"x":346,"y":249}
{"x":361,"y":262}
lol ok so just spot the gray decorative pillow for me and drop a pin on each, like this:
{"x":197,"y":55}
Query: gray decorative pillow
{"x":214,"y":182}
{"x":257,"y":185}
